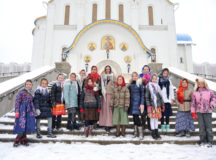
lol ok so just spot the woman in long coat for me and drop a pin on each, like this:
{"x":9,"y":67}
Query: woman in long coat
{"x":24,"y":114}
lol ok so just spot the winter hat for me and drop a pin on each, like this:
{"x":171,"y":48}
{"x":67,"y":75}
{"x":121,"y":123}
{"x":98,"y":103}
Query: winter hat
{"x":148,"y":68}
{"x":200,"y":80}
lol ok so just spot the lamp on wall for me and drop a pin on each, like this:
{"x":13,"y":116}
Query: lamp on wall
{"x":128,"y":60}
{"x":87,"y":59}
{"x":107,"y":52}
{"x":153,"y":57}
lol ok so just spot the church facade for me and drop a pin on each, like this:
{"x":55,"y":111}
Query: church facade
{"x":125,"y":34}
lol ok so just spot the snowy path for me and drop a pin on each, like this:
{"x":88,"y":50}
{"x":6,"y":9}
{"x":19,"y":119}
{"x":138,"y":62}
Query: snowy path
{"x":78,"y":151}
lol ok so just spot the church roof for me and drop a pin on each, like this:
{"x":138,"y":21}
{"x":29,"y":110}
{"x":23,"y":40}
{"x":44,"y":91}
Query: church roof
{"x":184,"y":39}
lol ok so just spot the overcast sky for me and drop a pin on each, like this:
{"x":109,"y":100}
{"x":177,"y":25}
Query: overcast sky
{"x":195,"y":17}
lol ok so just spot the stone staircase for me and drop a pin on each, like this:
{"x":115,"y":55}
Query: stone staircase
{"x":100,"y":136}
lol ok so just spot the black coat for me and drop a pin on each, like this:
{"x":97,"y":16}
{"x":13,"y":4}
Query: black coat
{"x":43,"y":102}
{"x":56,"y":94}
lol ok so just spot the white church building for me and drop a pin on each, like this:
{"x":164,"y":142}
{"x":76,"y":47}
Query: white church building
{"x":125,"y":34}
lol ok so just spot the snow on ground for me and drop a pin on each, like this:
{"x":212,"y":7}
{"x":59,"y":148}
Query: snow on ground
{"x":83,"y":151}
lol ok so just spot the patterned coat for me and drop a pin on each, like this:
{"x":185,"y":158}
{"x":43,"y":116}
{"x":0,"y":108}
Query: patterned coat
{"x":186,"y":106}
{"x":25,"y":107}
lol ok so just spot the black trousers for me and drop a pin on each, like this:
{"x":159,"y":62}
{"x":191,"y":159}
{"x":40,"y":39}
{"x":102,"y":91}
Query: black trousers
{"x":21,"y":135}
{"x":162,"y":120}
{"x":56,"y":121}
{"x":137,"y":120}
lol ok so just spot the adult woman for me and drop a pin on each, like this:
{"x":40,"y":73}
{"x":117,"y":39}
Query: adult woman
{"x":107,"y":89}
{"x":24,"y":114}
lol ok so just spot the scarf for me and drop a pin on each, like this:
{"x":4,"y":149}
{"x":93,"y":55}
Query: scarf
{"x":42,"y":90}
{"x":180,"y":92}
{"x":30,"y":91}
{"x":154,"y":88}
{"x":106,"y":78}
{"x":164,"y":82}
{"x":123,"y":83}
{"x":94,"y":77}
{"x":147,"y":77}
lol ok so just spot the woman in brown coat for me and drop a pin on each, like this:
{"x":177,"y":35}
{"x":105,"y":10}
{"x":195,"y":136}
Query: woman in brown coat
{"x":120,"y":101}
{"x":184,"y":120}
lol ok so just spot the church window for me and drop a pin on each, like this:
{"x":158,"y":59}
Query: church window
{"x":94,"y":13}
{"x":181,"y":60}
{"x":121,"y":12}
{"x":108,"y":9}
{"x":67,"y":15}
{"x":151,"y":16}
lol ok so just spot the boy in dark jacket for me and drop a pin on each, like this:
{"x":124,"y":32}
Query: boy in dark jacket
{"x":42,"y":103}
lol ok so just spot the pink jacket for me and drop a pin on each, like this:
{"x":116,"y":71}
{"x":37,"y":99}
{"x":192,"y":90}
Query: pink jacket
{"x":203,"y":101}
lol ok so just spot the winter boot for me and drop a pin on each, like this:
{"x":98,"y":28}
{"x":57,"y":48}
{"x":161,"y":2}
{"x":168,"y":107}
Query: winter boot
{"x":24,"y":141}
{"x":75,"y":125}
{"x":157,"y":134}
{"x":117,"y":130}
{"x":180,"y":134}
{"x":70,"y":126}
{"x":38,"y":133}
{"x":123,"y":130}
{"x":187,"y":133}
{"x":107,"y":129}
{"x":90,"y":130}
{"x":153,"y":134}
{"x":86,"y":131}
{"x":140,"y":129}
{"x":135,"y":131}
{"x":16,"y":142}
{"x":163,"y":128}
{"x":167,"y":128}
{"x":50,"y":134}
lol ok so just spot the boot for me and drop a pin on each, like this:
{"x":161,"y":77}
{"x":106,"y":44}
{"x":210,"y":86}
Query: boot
{"x":157,"y":134}
{"x":90,"y":130}
{"x":163,"y":128}
{"x":50,"y":134}
{"x":153,"y":134}
{"x":107,"y":129}
{"x":69,"y":125}
{"x":38,"y":133}
{"x":24,"y":141}
{"x":75,"y":125}
{"x":86,"y":131}
{"x":187,"y":133}
{"x":135,"y":131}
{"x":140,"y":129}
{"x":167,"y":127}
{"x":123,"y":130}
{"x":180,"y":134}
{"x":16,"y":142}
{"x":117,"y":130}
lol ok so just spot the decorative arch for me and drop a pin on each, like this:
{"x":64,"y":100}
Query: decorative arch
{"x":115,"y":67}
{"x":108,"y":21}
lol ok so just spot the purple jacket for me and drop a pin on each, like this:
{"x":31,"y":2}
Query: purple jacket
{"x":203,"y":101}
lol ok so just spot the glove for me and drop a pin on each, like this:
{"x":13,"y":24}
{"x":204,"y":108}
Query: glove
{"x":38,"y":112}
{"x":98,"y":110}
{"x":163,"y":108}
{"x":17,"y":115}
{"x":81,"y":110}
{"x":126,"y":109}
{"x":194,"y":115}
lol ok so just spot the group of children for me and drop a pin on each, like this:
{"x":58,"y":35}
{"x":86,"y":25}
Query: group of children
{"x":109,"y":100}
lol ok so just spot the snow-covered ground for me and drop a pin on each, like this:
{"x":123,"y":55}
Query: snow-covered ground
{"x":88,"y":151}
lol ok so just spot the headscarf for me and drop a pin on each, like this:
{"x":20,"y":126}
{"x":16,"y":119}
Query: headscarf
{"x":164,"y":81}
{"x":90,"y":88}
{"x":30,"y":91}
{"x":94,"y":76}
{"x":123,"y":83}
{"x":146,"y":76}
{"x":180,"y":92}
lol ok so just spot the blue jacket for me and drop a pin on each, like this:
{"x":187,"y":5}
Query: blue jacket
{"x":136,"y":97}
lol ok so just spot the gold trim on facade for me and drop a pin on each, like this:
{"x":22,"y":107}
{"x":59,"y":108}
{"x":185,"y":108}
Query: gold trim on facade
{"x":41,"y":17}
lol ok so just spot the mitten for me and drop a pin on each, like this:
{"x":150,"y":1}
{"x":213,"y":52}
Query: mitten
{"x":163,"y":108}
{"x":17,"y":115}
{"x":81,"y":110}
{"x":194,"y":115}
{"x":38,"y":112}
{"x":98,"y":110}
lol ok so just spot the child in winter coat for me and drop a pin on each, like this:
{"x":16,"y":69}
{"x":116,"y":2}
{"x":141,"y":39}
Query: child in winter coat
{"x":71,"y":97}
{"x":90,"y":106}
{"x":155,"y":103}
{"x":168,"y":97}
{"x":42,"y":103}
{"x":24,"y":114}
{"x":203,"y":102}
{"x":145,"y":75}
{"x":57,"y":98}
{"x":184,"y":120}
{"x":120,"y":101}
{"x":136,"y":103}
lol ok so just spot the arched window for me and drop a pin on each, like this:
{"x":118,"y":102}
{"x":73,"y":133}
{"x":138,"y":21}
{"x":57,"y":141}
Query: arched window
{"x":153,"y":58}
{"x":67,"y":15}
{"x":151,"y":16}
{"x":121,"y":12}
{"x":94,"y":13}
{"x":108,"y":9}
